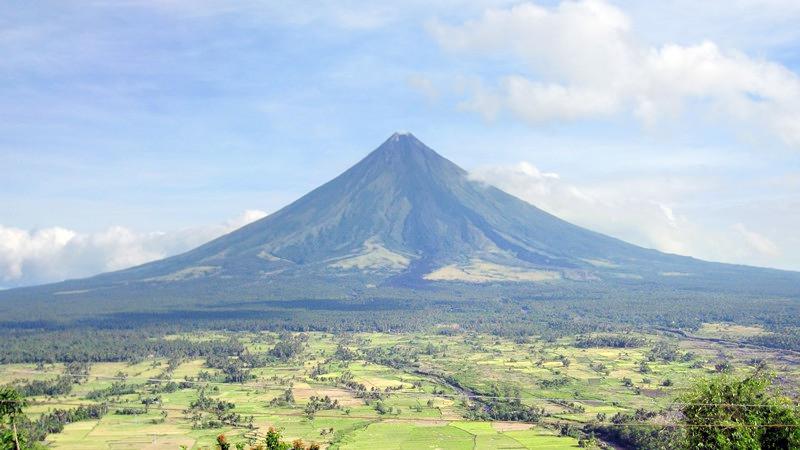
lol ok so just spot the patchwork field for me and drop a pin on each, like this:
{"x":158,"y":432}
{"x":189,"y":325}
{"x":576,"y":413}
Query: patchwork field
{"x":387,"y":391}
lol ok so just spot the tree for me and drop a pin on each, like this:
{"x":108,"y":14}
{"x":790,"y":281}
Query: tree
{"x":273,"y":440}
{"x":726,"y":412}
{"x":11,"y":404}
{"x":222,"y":442}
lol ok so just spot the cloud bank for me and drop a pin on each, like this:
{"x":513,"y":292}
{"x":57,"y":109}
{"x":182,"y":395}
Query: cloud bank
{"x":30,"y":257}
{"x":582,"y":60}
{"x":642,"y":211}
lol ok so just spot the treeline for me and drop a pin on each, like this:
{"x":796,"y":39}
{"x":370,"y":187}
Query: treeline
{"x":562,"y":310}
{"x":51,"y":388}
{"x":786,"y":339}
{"x":610,"y":340}
{"x":74,"y":373}
{"x":551,"y":315}
{"x":117,"y":388}
{"x":54,"y":421}
{"x":82,"y":345}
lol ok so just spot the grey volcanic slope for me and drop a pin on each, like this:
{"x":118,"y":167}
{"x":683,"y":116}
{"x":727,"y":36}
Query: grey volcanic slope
{"x":402,"y":219}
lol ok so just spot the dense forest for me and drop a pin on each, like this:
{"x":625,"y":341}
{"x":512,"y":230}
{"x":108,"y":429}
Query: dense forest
{"x":136,"y":335}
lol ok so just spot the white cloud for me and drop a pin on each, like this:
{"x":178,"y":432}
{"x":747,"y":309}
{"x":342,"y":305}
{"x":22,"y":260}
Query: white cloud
{"x":757,"y":241}
{"x":643,"y":211}
{"x":56,"y":253}
{"x":581,"y":60}
{"x":537,"y":102}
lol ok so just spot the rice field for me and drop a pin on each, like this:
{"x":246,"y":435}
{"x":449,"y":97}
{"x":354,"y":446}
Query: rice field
{"x":422,"y":385}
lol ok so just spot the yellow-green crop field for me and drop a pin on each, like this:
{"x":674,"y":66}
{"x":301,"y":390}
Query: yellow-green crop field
{"x":416,"y":390}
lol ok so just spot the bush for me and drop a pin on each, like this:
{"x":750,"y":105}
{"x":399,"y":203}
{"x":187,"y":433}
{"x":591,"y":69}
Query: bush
{"x":755,"y":416}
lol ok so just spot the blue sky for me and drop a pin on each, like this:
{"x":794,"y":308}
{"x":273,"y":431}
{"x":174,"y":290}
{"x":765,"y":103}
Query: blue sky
{"x":131,"y":130}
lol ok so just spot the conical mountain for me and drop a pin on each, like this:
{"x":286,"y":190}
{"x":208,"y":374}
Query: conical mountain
{"x":404,"y":218}
{"x":403,"y":209}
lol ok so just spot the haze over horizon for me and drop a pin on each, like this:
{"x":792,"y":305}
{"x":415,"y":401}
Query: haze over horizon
{"x":136,"y":130}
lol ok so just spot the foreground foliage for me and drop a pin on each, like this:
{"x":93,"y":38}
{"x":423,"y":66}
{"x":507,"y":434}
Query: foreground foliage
{"x":727,"y":412}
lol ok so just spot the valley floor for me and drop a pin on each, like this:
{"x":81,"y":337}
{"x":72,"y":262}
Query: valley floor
{"x":447,"y":390}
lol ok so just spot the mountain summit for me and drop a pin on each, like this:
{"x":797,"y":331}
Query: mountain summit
{"x":404,"y":209}
{"x":402,"y":219}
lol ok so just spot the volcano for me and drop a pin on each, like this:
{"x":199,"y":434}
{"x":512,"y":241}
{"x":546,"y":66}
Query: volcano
{"x":403,"y":220}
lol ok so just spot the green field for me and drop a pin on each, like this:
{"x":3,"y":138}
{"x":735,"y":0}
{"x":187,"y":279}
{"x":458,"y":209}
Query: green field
{"x":391,"y":391}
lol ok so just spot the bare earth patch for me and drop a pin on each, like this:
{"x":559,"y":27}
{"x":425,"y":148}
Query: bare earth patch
{"x":479,"y":271}
{"x":302,"y":392}
{"x":511,"y":426}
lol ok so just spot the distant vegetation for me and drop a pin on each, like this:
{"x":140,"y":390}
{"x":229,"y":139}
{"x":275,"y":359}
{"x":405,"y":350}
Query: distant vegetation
{"x":601,"y":321}
{"x":610,"y":340}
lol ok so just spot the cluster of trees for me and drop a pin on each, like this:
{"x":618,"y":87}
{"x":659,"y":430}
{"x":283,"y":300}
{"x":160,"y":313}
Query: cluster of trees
{"x":51,"y":388}
{"x":783,"y":338}
{"x":618,"y":340}
{"x":344,"y":353}
{"x":500,"y":402}
{"x":272,"y":441}
{"x":17,"y":431}
{"x":236,"y":373}
{"x":238,"y":361}
{"x":599,"y":367}
{"x":205,"y":412}
{"x":318,"y":371}
{"x":234,"y":368}
{"x":130,"y":411}
{"x":502,"y":409}
{"x":572,"y":407}
{"x":74,"y":373}
{"x":396,"y":356}
{"x":663,"y":351}
{"x":117,"y":388}
{"x":554,"y":383}
{"x":93,"y":345}
{"x":289,"y":346}
{"x":359,"y":389}
{"x":316,"y":404}
{"x":285,"y":399}
{"x":54,"y":421}
{"x":383,"y":409}
{"x":637,"y":431}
